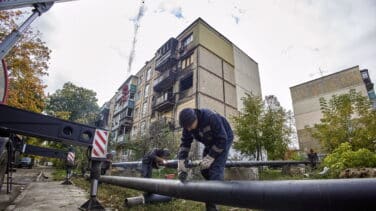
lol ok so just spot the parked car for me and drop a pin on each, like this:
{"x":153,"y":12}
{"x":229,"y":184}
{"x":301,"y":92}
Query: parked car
{"x":26,"y":162}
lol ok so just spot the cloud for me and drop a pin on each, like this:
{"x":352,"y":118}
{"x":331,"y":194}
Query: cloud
{"x":177,"y":12}
{"x":290,"y":40}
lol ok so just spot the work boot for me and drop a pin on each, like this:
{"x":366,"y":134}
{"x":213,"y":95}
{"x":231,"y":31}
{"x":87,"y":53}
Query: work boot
{"x":211,"y":207}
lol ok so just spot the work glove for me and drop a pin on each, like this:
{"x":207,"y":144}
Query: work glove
{"x":182,"y":170}
{"x":206,"y":162}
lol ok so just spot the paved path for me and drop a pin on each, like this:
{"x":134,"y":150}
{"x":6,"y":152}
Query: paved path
{"x":29,"y":194}
{"x":49,"y":196}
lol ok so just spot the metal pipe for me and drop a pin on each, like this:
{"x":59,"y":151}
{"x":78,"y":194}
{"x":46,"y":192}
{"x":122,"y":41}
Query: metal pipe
{"x":334,"y":194}
{"x":146,"y":199}
{"x":156,"y":198}
{"x":229,"y":164}
{"x":133,"y":201}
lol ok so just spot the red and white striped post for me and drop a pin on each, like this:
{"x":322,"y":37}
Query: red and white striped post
{"x":98,"y":154}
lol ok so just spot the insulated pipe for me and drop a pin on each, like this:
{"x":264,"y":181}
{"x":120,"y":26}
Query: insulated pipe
{"x":229,"y":164}
{"x":146,"y":199}
{"x":332,"y":194}
{"x":133,"y":201}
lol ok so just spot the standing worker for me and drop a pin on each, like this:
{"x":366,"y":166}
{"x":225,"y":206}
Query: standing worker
{"x":313,"y":158}
{"x":152,"y":160}
{"x":214,"y":131}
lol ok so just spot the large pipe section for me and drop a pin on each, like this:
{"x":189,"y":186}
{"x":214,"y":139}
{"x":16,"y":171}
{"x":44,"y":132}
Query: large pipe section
{"x":146,"y":199}
{"x":229,"y":164}
{"x":332,"y":194}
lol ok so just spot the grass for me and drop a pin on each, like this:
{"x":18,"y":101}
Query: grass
{"x":276,"y":174}
{"x":59,"y":174}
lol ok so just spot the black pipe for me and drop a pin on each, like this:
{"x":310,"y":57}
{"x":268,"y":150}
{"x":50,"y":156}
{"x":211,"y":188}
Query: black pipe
{"x":333,"y":194}
{"x":229,"y":164}
{"x":146,"y":199}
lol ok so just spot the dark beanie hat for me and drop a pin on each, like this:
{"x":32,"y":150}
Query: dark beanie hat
{"x":186,"y":117}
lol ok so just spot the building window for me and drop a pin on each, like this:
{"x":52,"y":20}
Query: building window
{"x":129,"y":112}
{"x":186,"y":83}
{"x":136,"y":112}
{"x":134,"y":131}
{"x":364,"y":75}
{"x":144,"y":109}
{"x":131,"y":96}
{"x":143,"y":127}
{"x":138,"y":95}
{"x":187,"y":40}
{"x":146,"y":91}
{"x":186,"y":62}
{"x":148,"y":74}
{"x":140,"y":79}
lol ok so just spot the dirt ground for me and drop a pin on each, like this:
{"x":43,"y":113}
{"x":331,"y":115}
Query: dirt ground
{"x":34,"y":192}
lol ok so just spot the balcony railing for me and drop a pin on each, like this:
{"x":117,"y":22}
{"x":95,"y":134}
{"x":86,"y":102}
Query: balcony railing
{"x":164,"y":101}
{"x":167,"y":55}
{"x":164,"y":81}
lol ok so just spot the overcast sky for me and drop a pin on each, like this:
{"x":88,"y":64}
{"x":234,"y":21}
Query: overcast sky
{"x":291,"y":40}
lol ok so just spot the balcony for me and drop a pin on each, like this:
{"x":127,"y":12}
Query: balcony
{"x":164,"y":81}
{"x":166,"y":55}
{"x":128,"y":104}
{"x":164,"y":102}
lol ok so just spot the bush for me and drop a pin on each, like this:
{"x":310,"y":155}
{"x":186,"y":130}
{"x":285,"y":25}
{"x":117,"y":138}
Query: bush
{"x":343,"y":157}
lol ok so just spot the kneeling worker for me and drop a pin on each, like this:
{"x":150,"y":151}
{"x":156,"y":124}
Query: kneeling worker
{"x":152,"y":160}
{"x":214,"y":131}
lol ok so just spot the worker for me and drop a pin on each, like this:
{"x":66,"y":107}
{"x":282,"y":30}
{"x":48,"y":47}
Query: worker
{"x":313,"y":158}
{"x":214,"y":131}
{"x":152,"y":160}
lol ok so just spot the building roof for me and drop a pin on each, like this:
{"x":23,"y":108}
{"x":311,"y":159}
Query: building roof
{"x":200,"y":20}
{"x":323,"y":77}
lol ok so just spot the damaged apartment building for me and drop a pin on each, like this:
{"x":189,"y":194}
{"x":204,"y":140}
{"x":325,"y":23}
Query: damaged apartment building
{"x":200,"y":68}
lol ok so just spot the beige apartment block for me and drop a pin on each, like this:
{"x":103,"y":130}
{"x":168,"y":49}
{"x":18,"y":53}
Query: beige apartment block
{"x":306,"y":105}
{"x":200,"y":68}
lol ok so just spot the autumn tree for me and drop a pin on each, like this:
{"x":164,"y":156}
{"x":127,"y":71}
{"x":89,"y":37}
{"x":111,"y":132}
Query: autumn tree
{"x":346,"y":118}
{"x":27,"y":63}
{"x":262,"y":127}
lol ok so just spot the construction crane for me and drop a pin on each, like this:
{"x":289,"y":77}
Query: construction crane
{"x":15,"y":122}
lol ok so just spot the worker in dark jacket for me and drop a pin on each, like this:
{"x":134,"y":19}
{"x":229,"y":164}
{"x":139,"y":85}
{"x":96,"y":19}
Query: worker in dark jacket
{"x":214,"y":131}
{"x":152,"y":160}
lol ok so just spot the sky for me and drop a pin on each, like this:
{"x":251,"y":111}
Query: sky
{"x":291,"y":40}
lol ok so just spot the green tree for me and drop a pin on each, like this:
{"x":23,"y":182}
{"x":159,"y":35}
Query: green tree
{"x":260,"y":127}
{"x":27,"y":63}
{"x":346,"y":118}
{"x":75,"y":103}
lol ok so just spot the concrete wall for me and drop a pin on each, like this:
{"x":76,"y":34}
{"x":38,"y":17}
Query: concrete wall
{"x":215,"y":42}
{"x":247,"y":76}
{"x":306,"y":101}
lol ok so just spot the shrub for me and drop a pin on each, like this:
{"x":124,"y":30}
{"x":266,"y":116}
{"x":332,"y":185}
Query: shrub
{"x":343,"y":157}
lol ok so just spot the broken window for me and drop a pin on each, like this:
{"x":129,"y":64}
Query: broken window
{"x":186,"y":83}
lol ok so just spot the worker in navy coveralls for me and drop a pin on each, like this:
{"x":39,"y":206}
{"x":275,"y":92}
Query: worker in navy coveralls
{"x":152,"y":160}
{"x":214,"y":131}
